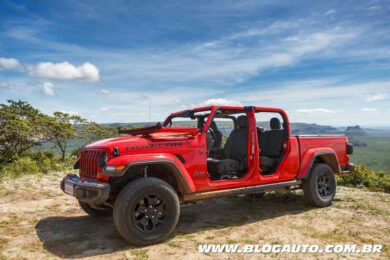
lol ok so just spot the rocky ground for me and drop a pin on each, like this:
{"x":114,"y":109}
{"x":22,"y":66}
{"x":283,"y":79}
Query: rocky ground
{"x":38,"y":221}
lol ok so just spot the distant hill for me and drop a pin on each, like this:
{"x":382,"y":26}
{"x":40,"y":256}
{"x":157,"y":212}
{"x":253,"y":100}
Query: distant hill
{"x":355,"y":131}
{"x":356,"y":136}
{"x":304,"y":128}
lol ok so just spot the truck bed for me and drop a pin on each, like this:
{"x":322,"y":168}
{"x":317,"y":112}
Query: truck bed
{"x":337,"y":143}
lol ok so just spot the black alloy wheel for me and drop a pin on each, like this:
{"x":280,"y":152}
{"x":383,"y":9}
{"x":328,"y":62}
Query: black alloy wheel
{"x":319,"y":188}
{"x":150,"y":213}
{"x":146,"y":211}
{"x":323,"y":187}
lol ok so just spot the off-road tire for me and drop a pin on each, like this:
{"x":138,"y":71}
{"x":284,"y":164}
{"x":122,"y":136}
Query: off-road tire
{"x":312,"y":190}
{"x":127,"y":202}
{"x":97,"y":213}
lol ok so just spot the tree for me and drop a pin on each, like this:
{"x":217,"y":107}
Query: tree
{"x":21,"y":127}
{"x":93,"y":132}
{"x":60,"y":129}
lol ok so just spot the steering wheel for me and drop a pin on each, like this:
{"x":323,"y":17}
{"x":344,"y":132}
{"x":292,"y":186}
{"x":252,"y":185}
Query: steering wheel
{"x":211,"y":138}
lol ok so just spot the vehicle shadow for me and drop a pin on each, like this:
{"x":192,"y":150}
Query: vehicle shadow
{"x":83,"y":236}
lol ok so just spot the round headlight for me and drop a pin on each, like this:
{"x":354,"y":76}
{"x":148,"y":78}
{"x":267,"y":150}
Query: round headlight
{"x":103,"y":158}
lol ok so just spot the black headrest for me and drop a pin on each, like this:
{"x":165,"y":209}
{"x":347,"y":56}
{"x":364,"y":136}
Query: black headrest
{"x":242,"y":121}
{"x":213,"y":125}
{"x":274,"y":123}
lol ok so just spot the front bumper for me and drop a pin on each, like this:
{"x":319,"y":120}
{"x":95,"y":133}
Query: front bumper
{"x":86,"y":190}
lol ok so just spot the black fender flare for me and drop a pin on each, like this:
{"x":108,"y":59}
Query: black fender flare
{"x":328,"y":158}
{"x":179,"y":176}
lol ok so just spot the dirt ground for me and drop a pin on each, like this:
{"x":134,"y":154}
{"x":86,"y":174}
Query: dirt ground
{"x":38,"y":221}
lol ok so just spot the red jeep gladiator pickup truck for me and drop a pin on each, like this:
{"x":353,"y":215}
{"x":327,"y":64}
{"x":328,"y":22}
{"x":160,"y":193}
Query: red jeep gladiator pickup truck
{"x":142,"y":177}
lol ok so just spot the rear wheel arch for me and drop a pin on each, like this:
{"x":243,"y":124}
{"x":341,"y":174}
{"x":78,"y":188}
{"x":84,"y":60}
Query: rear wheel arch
{"x":328,"y":158}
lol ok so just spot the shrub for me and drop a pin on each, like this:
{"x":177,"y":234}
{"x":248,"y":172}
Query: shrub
{"x":364,"y":177}
{"x":36,"y":162}
{"x":47,"y":161}
{"x":20,"y":167}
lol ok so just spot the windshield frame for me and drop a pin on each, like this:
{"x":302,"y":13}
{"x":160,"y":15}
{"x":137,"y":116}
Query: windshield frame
{"x":190,"y":113}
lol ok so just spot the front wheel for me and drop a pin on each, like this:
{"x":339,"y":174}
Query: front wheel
{"x":146,"y":211}
{"x":320,"y":186}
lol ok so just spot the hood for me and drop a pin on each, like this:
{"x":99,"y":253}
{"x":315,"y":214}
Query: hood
{"x":159,"y":139}
{"x":117,"y":141}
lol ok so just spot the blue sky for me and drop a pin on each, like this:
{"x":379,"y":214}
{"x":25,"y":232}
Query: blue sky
{"x":325,"y":62}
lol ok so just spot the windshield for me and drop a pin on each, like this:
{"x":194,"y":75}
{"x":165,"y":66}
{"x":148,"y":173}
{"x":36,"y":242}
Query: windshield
{"x":188,"y":118}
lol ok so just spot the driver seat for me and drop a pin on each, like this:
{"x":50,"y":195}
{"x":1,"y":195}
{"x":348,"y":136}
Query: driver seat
{"x":235,"y":150}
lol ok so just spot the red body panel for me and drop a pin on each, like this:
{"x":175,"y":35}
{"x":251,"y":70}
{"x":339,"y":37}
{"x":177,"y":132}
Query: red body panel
{"x":169,"y":143}
{"x":312,"y":145}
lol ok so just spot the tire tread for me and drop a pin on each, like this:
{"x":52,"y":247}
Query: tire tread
{"x":309,"y":187}
{"x":124,"y":198}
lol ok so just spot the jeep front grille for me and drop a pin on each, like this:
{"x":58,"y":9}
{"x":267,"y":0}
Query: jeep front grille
{"x":89,"y":162}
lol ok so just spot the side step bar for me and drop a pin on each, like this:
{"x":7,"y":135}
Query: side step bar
{"x":240,"y":191}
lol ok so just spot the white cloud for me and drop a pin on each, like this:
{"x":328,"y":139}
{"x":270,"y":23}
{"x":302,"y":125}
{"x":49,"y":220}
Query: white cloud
{"x":374,"y":8}
{"x":220,"y":102}
{"x":104,"y":92}
{"x":330,"y":12}
{"x":9,"y":64}
{"x":48,"y":89}
{"x":104,"y":108}
{"x":231,"y":59}
{"x":312,"y":91}
{"x":317,"y":111}
{"x":376,"y":97}
{"x":65,"y":71}
{"x":4,"y":85}
{"x":369,"y":109}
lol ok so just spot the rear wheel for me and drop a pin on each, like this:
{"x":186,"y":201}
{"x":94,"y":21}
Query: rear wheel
{"x":96,"y":212}
{"x":320,"y":187}
{"x":146,"y":211}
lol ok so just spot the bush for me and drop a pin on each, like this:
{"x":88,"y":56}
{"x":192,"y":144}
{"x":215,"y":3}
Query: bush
{"x":46,"y":161}
{"x":364,"y":177}
{"x":20,"y":167}
{"x":35,"y":163}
